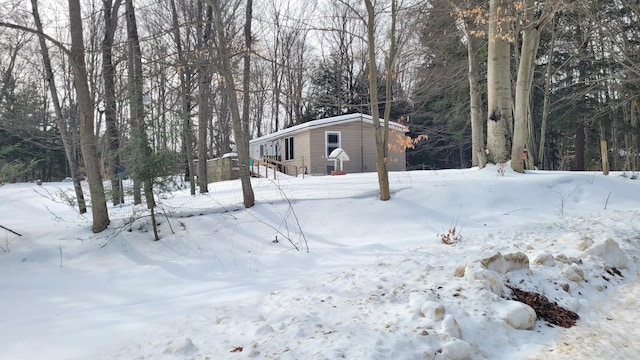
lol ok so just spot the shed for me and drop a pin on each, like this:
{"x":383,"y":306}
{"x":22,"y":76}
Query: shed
{"x":307,"y":146}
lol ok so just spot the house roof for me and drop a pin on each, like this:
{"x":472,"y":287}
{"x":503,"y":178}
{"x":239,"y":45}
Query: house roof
{"x":335,"y":120}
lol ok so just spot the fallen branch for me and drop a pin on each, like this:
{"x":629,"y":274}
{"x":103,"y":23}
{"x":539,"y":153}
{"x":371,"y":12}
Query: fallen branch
{"x":9,"y":230}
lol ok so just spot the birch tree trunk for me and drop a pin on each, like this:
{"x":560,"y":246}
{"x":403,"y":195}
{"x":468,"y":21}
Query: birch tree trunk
{"x":604,"y":153}
{"x":498,"y":84}
{"x":526,"y":66}
{"x":478,"y":154}
{"x":522,"y":132}
{"x":85,"y":112}
{"x":60,"y":122}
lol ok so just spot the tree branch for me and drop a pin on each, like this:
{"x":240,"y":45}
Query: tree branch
{"x":34,"y":31}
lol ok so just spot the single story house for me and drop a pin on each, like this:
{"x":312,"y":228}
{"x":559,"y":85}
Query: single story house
{"x":309,"y":145}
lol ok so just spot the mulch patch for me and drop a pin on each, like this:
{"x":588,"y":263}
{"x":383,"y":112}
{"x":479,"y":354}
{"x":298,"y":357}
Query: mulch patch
{"x":545,"y":309}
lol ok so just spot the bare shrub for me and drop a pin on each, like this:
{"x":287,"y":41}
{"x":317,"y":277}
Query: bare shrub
{"x":450,"y":237}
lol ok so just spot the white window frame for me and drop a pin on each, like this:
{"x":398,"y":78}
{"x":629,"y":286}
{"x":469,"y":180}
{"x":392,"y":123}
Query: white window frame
{"x":326,"y":141}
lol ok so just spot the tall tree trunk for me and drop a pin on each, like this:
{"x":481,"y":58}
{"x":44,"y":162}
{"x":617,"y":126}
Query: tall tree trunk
{"x":389,"y":74}
{"x":635,"y":144}
{"x":276,"y":76}
{"x":629,"y":149}
{"x":143,"y":152}
{"x":85,"y":112}
{"x":526,"y":67}
{"x":498,"y":84}
{"x":580,"y":145}
{"x":204,"y":94}
{"x":547,"y":95}
{"x":478,"y":153}
{"x":246,"y":73}
{"x":224,"y":123}
{"x":187,"y":129}
{"x":381,"y":146}
{"x":67,"y":141}
{"x":242,"y":143}
{"x":580,"y":142}
{"x":615,"y":143}
{"x":110,"y":111}
{"x":134,"y":104}
{"x":185,"y":80}
{"x":604,"y":153}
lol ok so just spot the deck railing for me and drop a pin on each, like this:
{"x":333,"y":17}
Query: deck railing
{"x":261,"y":167}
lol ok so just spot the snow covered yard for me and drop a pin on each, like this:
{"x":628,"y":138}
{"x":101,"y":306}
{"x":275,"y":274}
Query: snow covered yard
{"x":377,"y":283}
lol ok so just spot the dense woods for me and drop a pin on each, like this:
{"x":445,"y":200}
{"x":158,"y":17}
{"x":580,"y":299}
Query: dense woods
{"x":156,"y":84}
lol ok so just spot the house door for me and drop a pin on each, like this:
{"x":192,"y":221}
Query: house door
{"x":332,"y":141}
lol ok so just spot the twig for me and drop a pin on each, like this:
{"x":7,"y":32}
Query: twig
{"x":60,"y":248}
{"x":607,"y":201}
{"x":127,"y":223}
{"x":295,"y":216}
{"x":9,"y":230}
{"x":276,"y":230}
{"x":167,"y":217}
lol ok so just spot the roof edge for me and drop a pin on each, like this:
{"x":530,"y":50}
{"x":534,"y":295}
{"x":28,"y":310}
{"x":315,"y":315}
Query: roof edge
{"x":318,"y":123}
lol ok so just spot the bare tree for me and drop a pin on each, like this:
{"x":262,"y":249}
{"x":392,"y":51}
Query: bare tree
{"x":339,"y":79}
{"x":226,"y":70}
{"x":381,"y":131}
{"x":546,"y":97}
{"x":287,"y":50}
{"x":85,"y":112}
{"x":203,"y":34}
{"x":184,"y":75}
{"x":142,"y":153}
{"x":110,"y":15}
{"x":531,"y":28}
{"x":473,"y":33}
{"x":60,"y":119}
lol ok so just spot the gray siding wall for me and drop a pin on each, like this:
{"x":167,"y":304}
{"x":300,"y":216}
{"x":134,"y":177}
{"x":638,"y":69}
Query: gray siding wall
{"x":358,"y":141}
{"x":302,"y":150}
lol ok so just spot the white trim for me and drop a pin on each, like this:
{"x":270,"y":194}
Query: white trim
{"x":289,"y":148}
{"x":326,"y":143}
{"x":326,"y":122}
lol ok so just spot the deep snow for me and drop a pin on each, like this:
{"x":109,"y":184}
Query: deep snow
{"x":377,"y":282}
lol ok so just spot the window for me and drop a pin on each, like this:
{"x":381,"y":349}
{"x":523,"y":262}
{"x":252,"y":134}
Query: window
{"x":288,"y":148}
{"x":261,"y":151}
{"x":332,"y":141}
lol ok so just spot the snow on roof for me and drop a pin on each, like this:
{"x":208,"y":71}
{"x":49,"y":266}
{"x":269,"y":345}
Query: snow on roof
{"x":341,"y":119}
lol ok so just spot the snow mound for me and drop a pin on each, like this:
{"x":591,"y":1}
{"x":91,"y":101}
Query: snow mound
{"x":456,"y":349}
{"x":610,"y":252}
{"x":181,"y":347}
{"x":518,"y":315}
